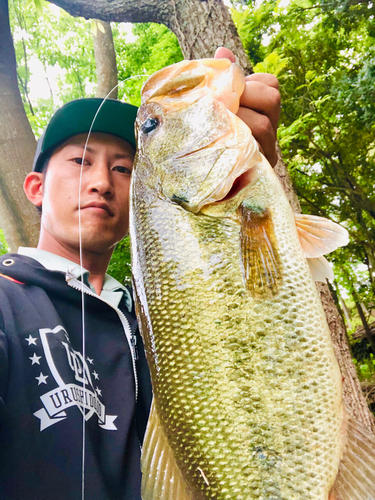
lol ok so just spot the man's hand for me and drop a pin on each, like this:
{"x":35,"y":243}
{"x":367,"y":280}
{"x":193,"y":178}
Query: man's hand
{"x":259,"y":107}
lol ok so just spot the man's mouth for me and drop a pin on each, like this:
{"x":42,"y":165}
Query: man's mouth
{"x":100,"y":206}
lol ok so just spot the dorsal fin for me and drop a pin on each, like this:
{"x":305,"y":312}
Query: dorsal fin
{"x":161,"y":477}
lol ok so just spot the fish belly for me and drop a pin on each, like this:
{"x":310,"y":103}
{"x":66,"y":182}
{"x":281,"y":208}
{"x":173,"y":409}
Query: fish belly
{"x":247,"y":390}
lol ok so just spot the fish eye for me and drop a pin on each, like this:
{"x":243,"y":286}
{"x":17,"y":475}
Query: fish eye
{"x":149,"y":125}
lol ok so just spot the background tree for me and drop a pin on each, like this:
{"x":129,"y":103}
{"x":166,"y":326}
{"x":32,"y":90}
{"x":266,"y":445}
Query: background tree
{"x":18,"y":218}
{"x":105,"y":60}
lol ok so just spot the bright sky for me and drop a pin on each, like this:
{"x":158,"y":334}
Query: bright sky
{"x":38,"y":85}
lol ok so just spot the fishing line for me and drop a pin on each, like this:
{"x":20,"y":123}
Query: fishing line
{"x":82,"y":282}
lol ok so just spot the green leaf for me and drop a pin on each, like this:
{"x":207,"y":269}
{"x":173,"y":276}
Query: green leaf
{"x":100,"y":26}
{"x":94,"y":27}
{"x":3,"y":244}
{"x":39,"y":6}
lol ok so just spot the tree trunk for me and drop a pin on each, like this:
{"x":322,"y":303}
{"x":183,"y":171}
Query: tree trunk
{"x":105,"y":59}
{"x":371,"y":264}
{"x":366,"y":326}
{"x":347,"y":313}
{"x":354,"y":399}
{"x":201,"y":26}
{"x":18,"y":218}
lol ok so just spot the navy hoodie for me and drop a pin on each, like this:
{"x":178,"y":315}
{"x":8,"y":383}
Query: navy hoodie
{"x":47,"y":388}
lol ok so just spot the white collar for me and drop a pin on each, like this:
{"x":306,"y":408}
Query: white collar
{"x":112,"y":290}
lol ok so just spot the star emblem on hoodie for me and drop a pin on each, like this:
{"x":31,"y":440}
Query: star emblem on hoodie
{"x":31,"y":340}
{"x":42,"y":379}
{"x":35,"y":359}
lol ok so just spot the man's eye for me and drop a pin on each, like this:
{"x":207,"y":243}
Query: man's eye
{"x":79,"y":161}
{"x":122,"y":170}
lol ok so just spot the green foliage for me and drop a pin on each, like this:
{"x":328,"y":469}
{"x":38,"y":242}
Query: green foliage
{"x":154,"y":48}
{"x":63,"y":46}
{"x":254,"y":25}
{"x":119,"y":267}
{"x":366,"y":367}
{"x":47,"y":38}
{"x":3,"y":244}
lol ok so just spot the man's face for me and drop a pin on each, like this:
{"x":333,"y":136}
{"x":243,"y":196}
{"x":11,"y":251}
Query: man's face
{"x":106,"y":172}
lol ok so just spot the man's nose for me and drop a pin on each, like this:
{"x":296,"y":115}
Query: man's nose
{"x":100,"y":180}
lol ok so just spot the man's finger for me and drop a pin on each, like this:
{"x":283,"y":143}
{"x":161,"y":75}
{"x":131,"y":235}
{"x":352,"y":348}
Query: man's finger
{"x":263,"y":132}
{"x":265,"y":78}
{"x":224,"y":53}
{"x":263,"y":99}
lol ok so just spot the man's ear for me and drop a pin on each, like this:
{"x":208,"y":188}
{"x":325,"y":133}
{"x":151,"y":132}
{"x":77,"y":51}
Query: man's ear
{"x":33,"y":187}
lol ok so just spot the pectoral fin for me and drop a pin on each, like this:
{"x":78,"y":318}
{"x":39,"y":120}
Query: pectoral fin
{"x":319,"y":236}
{"x":356,"y":476}
{"x":161,"y":477}
{"x":261,"y":265}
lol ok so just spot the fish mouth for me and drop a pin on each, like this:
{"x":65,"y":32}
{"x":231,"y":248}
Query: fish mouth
{"x":240,"y":183}
{"x":229,"y":188}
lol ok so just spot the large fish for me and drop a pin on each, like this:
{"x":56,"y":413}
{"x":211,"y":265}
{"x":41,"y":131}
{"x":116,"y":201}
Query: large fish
{"x":247,"y":390}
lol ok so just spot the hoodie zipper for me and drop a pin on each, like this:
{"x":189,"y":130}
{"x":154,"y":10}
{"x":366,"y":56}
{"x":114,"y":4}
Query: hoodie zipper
{"x":130,"y":336}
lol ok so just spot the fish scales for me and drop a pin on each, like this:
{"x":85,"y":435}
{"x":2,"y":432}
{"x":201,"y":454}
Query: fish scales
{"x":226,"y":377}
{"x":246,"y":387}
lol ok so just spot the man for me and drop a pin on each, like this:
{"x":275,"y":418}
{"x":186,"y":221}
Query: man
{"x":70,"y":351}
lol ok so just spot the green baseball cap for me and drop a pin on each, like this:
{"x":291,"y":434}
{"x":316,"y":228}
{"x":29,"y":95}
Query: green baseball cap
{"x":76,"y":117}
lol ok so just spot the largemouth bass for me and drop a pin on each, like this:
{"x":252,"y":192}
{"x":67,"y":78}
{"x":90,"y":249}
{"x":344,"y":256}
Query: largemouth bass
{"x":247,"y":390}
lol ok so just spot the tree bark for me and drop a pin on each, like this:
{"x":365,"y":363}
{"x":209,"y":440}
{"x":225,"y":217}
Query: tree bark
{"x":18,"y":218}
{"x":201,"y":26}
{"x":354,"y":398}
{"x":105,"y":59}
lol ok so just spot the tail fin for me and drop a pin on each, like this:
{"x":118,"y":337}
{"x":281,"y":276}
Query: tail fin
{"x":161,"y":477}
{"x":356,"y":476}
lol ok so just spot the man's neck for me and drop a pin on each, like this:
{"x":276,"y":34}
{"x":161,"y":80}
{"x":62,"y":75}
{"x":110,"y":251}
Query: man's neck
{"x":95,"y":263}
